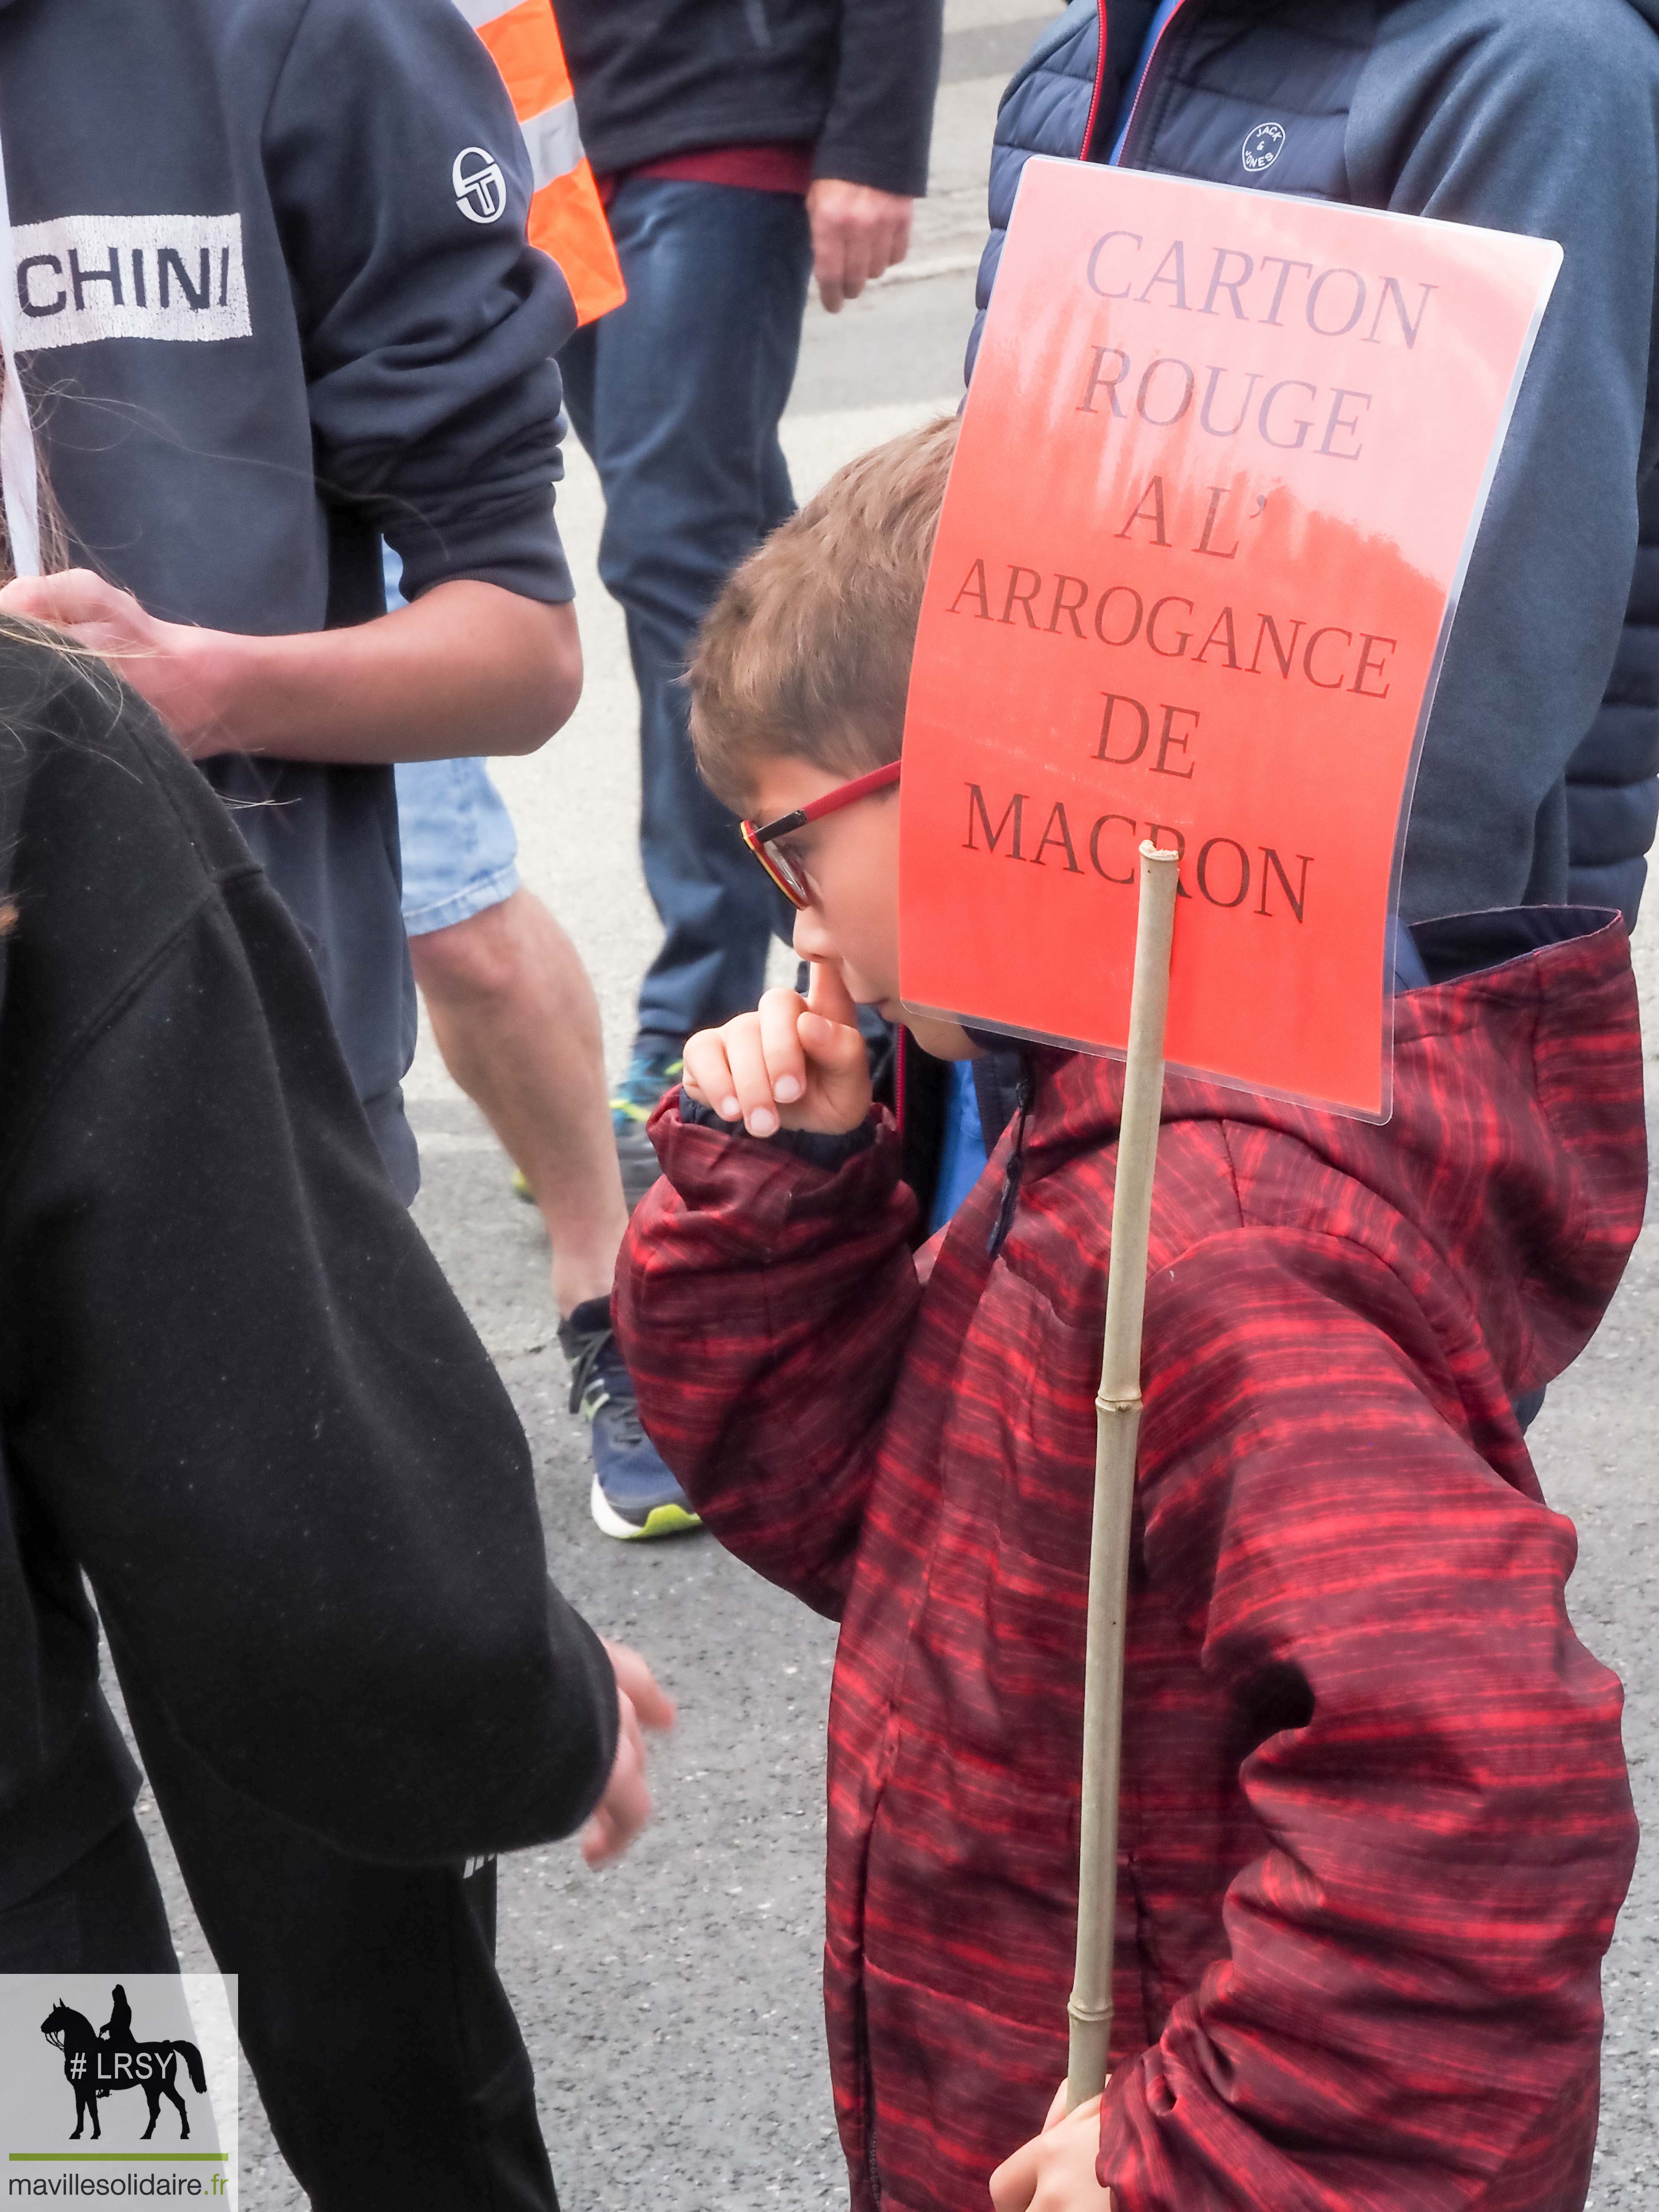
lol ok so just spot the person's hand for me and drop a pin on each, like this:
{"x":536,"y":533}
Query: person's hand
{"x":857,"y":232}
{"x":626,"y":1805}
{"x":794,"y":1063}
{"x":1056,"y":2171}
{"x":470,"y":665}
{"x":166,"y":663}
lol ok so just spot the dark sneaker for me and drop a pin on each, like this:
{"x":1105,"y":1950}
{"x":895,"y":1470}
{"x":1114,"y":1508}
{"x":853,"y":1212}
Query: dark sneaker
{"x":631,"y":1108}
{"x":634,"y":1494}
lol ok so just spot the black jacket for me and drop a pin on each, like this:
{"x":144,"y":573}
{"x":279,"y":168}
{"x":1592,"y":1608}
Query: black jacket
{"x":234,"y":1388}
{"x":664,"y":77}
{"x":1518,"y":115}
{"x":263,"y":328}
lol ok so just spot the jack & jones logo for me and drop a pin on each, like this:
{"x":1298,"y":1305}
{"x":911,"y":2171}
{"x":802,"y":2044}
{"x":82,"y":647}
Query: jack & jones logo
{"x":1263,"y":147}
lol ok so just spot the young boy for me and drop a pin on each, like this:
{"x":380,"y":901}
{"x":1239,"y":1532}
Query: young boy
{"x":1375,"y":1825}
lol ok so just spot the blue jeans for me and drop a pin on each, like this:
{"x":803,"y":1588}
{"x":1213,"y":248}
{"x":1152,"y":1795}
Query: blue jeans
{"x":677,"y":396}
{"x":460,"y":853}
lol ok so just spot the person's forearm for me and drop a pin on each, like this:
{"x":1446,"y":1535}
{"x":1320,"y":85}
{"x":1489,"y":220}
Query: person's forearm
{"x":470,"y":668}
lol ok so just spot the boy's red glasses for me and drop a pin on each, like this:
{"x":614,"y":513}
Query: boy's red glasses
{"x":785,"y":873}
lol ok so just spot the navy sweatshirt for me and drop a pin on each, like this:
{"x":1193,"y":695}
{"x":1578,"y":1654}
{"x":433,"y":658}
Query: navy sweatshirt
{"x":235,"y":1389}
{"x":266,"y":322}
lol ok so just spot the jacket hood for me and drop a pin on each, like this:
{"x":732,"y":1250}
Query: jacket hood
{"x":1517,"y":1148}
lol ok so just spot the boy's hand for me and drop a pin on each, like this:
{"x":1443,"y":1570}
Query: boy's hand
{"x":1056,"y":2171}
{"x":794,"y":1063}
{"x":626,"y":1805}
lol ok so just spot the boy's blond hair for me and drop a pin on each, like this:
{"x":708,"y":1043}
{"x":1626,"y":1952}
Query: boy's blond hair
{"x":807,"y":653}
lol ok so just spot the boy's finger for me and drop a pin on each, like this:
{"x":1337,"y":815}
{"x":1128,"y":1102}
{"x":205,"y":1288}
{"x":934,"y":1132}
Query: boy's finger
{"x":751,"y":1083}
{"x":707,"y":1073}
{"x":827,"y":994}
{"x":780,"y":1012}
{"x":840,"y":1067}
{"x":833,"y":1048}
{"x":1014,"y":2183}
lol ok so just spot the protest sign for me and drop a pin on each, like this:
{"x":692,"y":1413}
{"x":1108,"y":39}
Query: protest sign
{"x":1220,"y":471}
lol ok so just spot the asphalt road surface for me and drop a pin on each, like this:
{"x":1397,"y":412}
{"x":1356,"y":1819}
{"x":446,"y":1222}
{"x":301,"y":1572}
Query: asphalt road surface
{"x":671,"y":2004}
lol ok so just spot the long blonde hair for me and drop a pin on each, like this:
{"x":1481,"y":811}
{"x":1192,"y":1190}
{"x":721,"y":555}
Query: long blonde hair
{"x":27,"y":505}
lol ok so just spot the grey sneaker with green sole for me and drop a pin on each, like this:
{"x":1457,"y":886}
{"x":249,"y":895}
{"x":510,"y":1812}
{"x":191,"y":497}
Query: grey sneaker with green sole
{"x":632,"y":1105}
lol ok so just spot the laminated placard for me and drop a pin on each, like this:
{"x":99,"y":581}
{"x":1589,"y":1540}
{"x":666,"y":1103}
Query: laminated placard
{"x":1220,"y":473}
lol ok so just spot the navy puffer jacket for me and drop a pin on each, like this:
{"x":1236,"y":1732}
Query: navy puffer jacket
{"x":1612,"y":779}
{"x":1538,"y":777}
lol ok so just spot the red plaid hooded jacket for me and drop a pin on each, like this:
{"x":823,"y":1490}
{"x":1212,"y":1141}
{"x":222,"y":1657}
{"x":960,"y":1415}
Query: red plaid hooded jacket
{"x":1375,"y":1822}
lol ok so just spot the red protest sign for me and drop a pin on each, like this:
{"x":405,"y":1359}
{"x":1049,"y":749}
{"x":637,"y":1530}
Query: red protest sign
{"x":1220,"y":472}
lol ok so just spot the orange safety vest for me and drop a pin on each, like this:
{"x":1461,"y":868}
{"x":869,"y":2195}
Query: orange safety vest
{"x":567,"y":221}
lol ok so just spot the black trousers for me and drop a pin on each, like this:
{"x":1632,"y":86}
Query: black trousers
{"x":104,"y":1915}
{"x":387,"y":2055}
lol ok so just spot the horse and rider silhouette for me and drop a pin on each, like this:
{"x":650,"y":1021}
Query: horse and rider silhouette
{"x":96,"y":2063}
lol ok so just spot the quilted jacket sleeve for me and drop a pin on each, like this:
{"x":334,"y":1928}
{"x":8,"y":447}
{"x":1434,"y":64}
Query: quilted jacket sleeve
{"x":1484,"y":118}
{"x":1045,"y":110}
{"x":1407,"y":2014}
{"x":763,"y":1303}
{"x":1613,"y":778}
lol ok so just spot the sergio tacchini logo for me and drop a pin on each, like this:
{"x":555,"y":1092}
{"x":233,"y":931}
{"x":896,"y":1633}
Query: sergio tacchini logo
{"x":480,"y":187}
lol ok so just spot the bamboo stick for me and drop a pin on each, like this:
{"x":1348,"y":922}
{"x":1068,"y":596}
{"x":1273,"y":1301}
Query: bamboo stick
{"x":1117,"y":1429}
